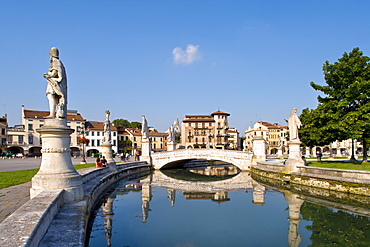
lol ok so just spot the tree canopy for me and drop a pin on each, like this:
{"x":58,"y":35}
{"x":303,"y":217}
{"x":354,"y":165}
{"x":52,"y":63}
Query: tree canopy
{"x":126,"y":124}
{"x":344,"y":110}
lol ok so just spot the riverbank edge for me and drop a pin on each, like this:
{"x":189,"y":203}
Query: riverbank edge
{"x":347,"y":181}
{"x":47,"y":220}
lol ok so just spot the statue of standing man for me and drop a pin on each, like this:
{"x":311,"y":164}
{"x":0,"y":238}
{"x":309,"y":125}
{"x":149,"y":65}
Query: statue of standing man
{"x":56,"y":90}
{"x":294,"y":124}
{"x":107,"y":137}
{"x":144,"y":128}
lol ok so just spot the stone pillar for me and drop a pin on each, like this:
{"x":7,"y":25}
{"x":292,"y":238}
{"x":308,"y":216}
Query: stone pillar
{"x":259,"y":150}
{"x":56,"y":170}
{"x":108,"y":154}
{"x":294,"y":158}
{"x":146,"y":150}
{"x":294,"y":218}
{"x":171,"y":146}
{"x":280,"y":153}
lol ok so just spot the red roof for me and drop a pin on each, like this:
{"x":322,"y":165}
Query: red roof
{"x":99,"y":126}
{"x":71,"y":116}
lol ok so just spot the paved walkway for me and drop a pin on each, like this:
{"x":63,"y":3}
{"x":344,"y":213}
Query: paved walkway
{"x":12,"y":198}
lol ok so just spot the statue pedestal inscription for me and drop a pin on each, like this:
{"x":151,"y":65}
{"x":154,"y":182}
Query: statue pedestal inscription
{"x":56,"y":170}
{"x":295,"y":158}
{"x":108,"y":154}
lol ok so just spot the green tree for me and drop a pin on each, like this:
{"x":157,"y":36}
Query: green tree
{"x":121,"y":123}
{"x":320,"y":127}
{"x":135,"y":125}
{"x":347,"y":94}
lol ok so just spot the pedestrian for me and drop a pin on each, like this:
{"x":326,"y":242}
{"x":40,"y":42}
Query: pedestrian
{"x":104,"y":161}
{"x":98,"y":163}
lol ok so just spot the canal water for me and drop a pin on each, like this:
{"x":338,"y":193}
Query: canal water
{"x":220,"y":206}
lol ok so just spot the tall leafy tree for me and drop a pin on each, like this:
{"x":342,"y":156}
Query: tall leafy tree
{"x":121,"y":123}
{"x":347,"y":95}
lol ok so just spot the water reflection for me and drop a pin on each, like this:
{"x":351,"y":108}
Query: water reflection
{"x":185,"y":224}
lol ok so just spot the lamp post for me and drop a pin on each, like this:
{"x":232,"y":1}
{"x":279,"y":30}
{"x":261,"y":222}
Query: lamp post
{"x":82,"y":130}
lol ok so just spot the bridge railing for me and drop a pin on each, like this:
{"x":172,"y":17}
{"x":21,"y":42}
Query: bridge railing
{"x":200,"y":152}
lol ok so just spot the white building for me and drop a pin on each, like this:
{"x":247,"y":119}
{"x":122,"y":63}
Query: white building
{"x":95,"y":133}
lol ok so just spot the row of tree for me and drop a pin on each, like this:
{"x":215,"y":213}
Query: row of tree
{"x":343,"y":112}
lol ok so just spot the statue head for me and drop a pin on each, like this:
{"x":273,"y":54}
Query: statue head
{"x":54,"y":52}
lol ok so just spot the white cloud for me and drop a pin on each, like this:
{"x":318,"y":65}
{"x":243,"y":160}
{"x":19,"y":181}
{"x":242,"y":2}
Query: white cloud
{"x":189,"y":56}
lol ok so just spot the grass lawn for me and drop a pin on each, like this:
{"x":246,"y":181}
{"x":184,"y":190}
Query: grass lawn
{"x":18,"y":177}
{"x":340,"y":165}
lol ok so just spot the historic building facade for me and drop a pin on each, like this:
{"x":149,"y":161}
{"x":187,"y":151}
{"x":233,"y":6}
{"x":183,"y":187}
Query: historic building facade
{"x":158,"y":140}
{"x":201,"y":131}
{"x":95,"y":134}
{"x":25,"y":139}
{"x":273,"y":134}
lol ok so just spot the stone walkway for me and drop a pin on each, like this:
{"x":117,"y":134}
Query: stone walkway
{"x":12,"y":198}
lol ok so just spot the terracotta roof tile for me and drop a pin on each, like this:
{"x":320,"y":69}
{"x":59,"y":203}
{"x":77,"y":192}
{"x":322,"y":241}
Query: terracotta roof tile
{"x":42,"y":114}
{"x":99,"y":126}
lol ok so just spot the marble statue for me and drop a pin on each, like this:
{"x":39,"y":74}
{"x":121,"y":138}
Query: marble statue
{"x":171,"y":134}
{"x":56,"y":90}
{"x":294,"y":124}
{"x":144,"y":128}
{"x":107,"y":137}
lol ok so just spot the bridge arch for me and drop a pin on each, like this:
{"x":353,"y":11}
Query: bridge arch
{"x":240,"y":159}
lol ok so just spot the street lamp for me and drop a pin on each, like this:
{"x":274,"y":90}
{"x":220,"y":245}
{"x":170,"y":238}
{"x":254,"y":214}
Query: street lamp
{"x":82,"y":131}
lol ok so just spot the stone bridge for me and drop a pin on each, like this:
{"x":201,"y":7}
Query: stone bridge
{"x":240,"y":159}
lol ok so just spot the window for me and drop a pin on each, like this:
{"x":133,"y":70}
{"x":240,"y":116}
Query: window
{"x":97,"y":134}
{"x":20,"y":139}
{"x":3,"y":131}
{"x":114,"y":142}
{"x":97,"y":142}
{"x":114,"y":133}
{"x":134,"y":138}
{"x":30,"y":126}
{"x":92,"y":143}
{"x":155,"y":146}
{"x":30,"y":139}
{"x":92,"y":133}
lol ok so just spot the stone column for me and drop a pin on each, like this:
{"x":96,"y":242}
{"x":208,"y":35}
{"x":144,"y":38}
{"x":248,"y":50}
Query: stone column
{"x":294,"y":158}
{"x":259,"y":150}
{"x":108,"y":154}
{"x":56,"y":170}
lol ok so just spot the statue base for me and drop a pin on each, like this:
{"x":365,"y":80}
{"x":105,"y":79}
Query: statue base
{"x":259,"y":150}
{"x":108,"y":154}
{"x":56,"y":170}
{"x":146,"y":150}
{"x":294,"y":158}
{"x":171,"y":146}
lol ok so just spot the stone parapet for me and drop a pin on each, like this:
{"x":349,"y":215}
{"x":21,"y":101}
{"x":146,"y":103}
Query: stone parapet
{"x":63,"y":221}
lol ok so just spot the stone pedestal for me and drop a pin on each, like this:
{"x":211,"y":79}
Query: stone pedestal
{"x":56,"y":170}
{"x":280,"y":153}
{"x":294,"y":158}
{"x":171,"y":146}
{"x":108,"y":154}
{"x":259,"y":150}
{"x":146,"y":150}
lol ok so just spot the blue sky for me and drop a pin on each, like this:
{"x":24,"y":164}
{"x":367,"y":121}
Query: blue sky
{"x":162,"y":59}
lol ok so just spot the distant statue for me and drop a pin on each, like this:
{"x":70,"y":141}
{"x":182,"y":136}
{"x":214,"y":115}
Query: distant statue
{"x":171,"y":134}
{"x":144,"y":128}
{"x":56,"y":90}
{"x":294,"y":124}
{"x":107,"y":137}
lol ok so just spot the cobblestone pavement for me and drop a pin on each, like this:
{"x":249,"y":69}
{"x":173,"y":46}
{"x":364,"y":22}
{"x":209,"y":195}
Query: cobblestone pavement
{"x":12,"y":198}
